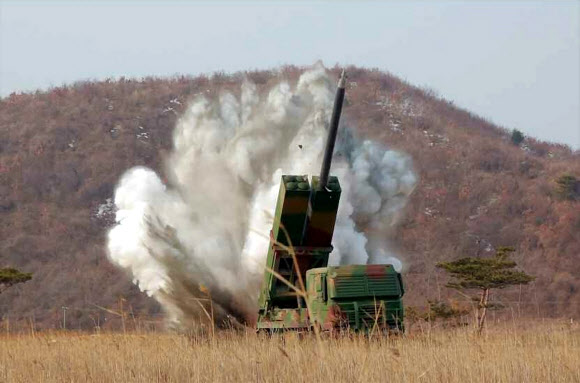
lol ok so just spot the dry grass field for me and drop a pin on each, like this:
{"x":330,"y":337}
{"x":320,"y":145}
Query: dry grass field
{"x":533,"y":353}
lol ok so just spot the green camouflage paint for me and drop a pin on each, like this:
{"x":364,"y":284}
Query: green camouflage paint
{"x":356,"y":297}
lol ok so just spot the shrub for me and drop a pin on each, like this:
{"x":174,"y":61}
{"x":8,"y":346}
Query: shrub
{"x":517,"y":137}
{"x":568,"y":187}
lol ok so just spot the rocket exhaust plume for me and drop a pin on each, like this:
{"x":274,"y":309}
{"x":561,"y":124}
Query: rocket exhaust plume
{"x":203,"y":236}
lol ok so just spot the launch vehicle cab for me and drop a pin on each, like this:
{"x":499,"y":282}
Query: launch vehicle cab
{"x":359,"y":297}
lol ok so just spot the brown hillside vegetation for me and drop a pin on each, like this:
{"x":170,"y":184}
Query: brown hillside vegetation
{"x":62,"y":151}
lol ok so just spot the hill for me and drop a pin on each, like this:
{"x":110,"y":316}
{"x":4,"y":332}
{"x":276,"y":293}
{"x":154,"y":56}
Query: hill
{"x":62,"y":152}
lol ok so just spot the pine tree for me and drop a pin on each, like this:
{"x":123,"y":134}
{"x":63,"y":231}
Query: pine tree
{"x":10,"y":277}
{"x":484,"y":274}
{"x":517,"y":137}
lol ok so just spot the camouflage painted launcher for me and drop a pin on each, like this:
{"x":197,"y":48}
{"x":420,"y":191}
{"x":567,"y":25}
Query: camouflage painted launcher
{"x":358,"y":296}
{"x":304,"y":219}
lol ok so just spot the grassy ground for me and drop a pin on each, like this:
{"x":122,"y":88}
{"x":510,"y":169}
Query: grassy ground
{"x":534,"y":353}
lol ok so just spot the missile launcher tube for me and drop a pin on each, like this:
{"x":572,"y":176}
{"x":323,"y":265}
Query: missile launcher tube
{"x":332,"y":131}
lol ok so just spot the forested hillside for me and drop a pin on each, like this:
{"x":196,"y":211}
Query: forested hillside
{"x":62,"y":152}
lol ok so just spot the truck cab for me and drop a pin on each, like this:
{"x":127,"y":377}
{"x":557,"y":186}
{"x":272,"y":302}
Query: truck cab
{"x":357,"y":297}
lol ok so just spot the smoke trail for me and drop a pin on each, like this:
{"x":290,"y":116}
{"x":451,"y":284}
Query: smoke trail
{"x":197,"y":238}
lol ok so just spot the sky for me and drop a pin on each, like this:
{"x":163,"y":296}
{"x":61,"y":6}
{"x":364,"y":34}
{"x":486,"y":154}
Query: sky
{"x":515,"y":63}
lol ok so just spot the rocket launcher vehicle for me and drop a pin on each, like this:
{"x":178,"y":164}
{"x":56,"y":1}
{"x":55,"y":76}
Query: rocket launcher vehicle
{"x":354,"y":296}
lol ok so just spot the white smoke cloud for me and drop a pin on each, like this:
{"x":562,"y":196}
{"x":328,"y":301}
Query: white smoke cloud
{"x":205,"y":232}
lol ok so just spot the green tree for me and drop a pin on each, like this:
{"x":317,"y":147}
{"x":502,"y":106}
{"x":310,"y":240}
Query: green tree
{"x":568,"y":187}
{"x":517,"y":137}
{"x":484,"y":274}
{"x":10,"y":277}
